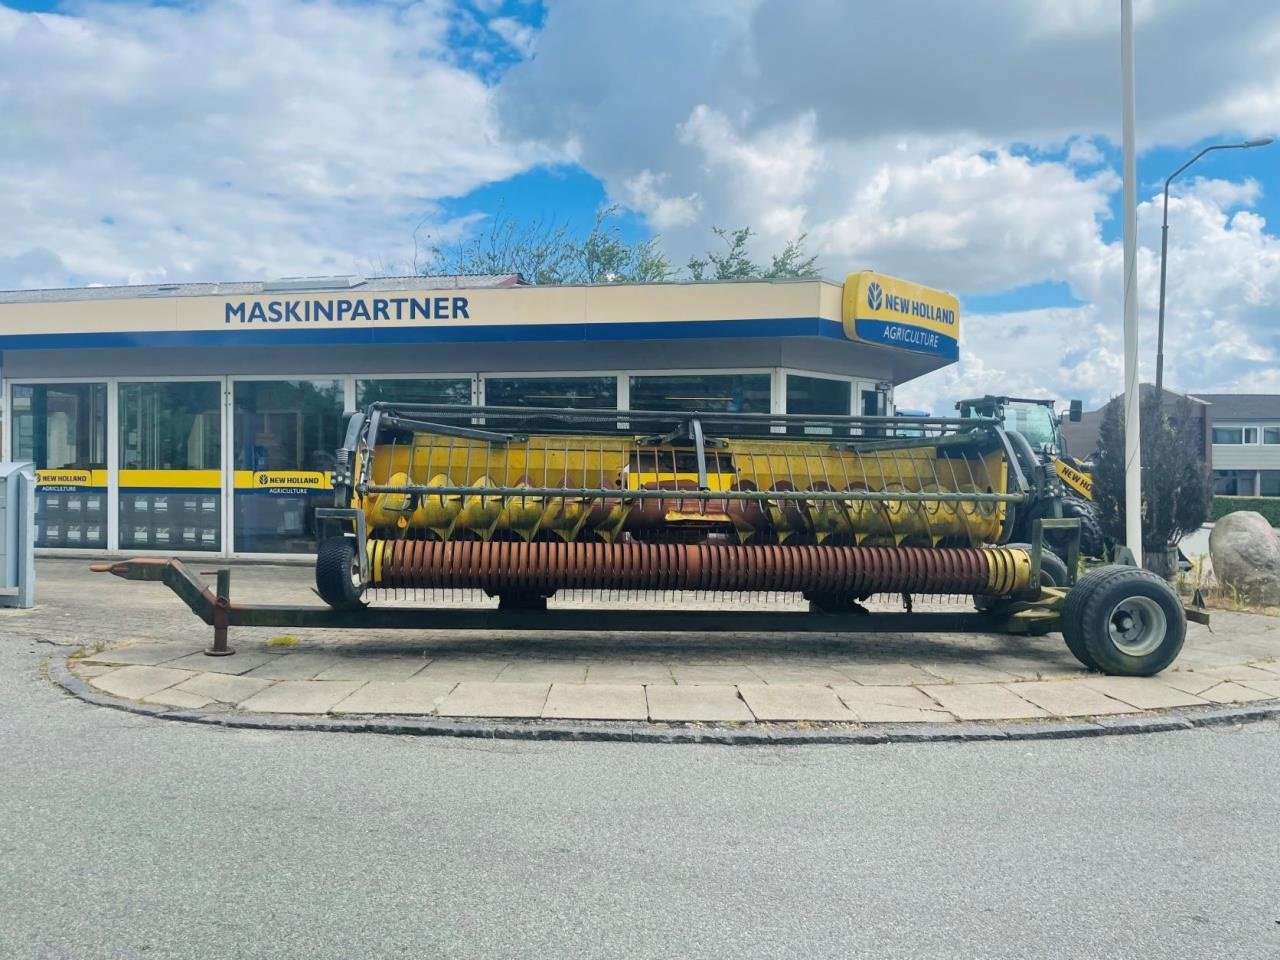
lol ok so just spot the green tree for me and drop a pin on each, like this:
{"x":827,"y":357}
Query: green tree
{"x":549,"y":253}
{"x":1175,"y":483}
{"x":734,"y":263}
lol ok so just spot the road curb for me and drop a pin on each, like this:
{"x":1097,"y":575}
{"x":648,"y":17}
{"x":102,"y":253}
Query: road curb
{"x":756,"y":734}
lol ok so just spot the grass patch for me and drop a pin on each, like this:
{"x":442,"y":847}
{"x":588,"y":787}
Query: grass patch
{"x":284,"y":640}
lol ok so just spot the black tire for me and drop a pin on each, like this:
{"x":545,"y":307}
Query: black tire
{"x":338,"y":573}
{"x":1093,"y":543}
{"x":1072,"y":631}
{"x":1127,"y":621}
{"x":1053,"y":573}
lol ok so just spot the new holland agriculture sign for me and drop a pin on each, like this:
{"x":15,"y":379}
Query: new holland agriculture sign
{"x":897,"y":313}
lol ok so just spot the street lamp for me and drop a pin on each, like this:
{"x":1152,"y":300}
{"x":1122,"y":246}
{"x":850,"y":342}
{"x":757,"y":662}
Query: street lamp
{"x":1164,"y":243}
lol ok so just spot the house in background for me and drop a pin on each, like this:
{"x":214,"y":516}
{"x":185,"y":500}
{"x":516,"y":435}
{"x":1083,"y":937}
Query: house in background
{"x":1246,"y":443}
{"x":1081,"y":438}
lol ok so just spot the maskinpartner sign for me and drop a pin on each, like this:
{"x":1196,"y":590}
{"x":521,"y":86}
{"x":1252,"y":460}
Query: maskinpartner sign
{"x":344,"y":310}
{"x":890,"y":312}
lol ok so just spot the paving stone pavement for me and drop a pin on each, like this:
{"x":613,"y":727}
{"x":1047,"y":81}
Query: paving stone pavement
{"x":137,"y":642}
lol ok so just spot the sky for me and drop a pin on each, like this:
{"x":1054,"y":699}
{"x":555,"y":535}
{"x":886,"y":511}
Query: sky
{"x":970,"y":146}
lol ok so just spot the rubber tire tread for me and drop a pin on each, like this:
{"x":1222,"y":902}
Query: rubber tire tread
{"x":1073,"y":610}
{"x":1093,"y":543}
{"x":334,"y":560}
{"x":1102,"y":597}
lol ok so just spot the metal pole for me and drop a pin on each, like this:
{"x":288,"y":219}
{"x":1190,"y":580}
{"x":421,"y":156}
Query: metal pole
{"x":1164,"y":255}
{"x":1164,"y":243}
{"x":1132,"y":424}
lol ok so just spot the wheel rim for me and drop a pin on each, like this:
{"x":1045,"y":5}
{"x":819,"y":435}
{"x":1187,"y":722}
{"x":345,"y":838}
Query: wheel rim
{"x":1137,"y":626}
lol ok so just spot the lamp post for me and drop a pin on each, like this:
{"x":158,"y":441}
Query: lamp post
{"x":1164,"y":242}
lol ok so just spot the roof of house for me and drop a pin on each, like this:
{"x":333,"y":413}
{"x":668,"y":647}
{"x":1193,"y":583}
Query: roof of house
{"x":1243,"y":406}
{"x":252,"y":287}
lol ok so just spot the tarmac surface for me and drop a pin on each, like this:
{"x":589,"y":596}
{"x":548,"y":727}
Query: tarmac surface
{"x":128,"y":837}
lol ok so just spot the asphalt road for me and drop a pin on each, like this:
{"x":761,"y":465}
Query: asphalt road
{"x":123,"y":836}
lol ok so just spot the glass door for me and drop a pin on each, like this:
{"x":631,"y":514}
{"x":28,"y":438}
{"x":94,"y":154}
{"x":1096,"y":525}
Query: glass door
{"x":170,"y":465}
{"x":62,"y":428}
{"x":286,"y":434}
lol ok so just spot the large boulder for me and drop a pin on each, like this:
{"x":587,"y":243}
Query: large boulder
{"x":1246,"y":557}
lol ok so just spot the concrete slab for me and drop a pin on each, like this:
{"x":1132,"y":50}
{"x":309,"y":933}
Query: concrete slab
{"x":294,"y":666}
{"x":460,"y":669}
{"x":301,"y":696}
{"x":137,"y":681}
{"x":143,"y":654}
{"x":223,"y":687}
{"x":797,"y":673}
{"x":1242,"y":672}
{"x":479,"y":698}
{"x":596,"y":701}
{"x":652,"y":674}
{"x":794,"y":701}
{"x":891,"y":704}
{"x":175,"y":697}
{"x":1270,"y":687}
{"x":240,"y":662}
{"x":1070,"y":698}
{"x":1228,"y":691}
{"x":688,"y":673}
{"x":373,"y":668}
{"x":397,"y":696}
{"x":968,"y":672}
{"x":697,"y":703}
{"x":543,"y":671}
{"x":1145,"y":693}
{"x":983,"y":701}
{"x":886,"y":674}
{"x":88,"y":670}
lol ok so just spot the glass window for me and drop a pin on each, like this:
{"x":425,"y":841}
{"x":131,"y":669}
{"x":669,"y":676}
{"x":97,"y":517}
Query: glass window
{"x":1271,"y":435}
{"x":1269,"y":483}
{"x":62,"y":428}
{"x":170,"y":466}
{"x":818,"y":395}
{"x":170,"y":426}
{"x":1228,"y":435}
{"x":713,"y":392}
{"x":1035,"y":422}
{"x":1250,"y":435}
{"x":414,"y":391}
{"x":286,"y":435}
{"x":1234,"y":483}
{"x":61,"y":425}
{"x":583,"y":393}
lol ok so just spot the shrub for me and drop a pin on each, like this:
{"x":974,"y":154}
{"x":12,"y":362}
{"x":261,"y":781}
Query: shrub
{"x":1175,"y":482}
{"x":1269,"y":507}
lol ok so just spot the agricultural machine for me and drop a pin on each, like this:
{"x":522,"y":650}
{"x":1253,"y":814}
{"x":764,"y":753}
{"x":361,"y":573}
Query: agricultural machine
{"x":491,"y":518}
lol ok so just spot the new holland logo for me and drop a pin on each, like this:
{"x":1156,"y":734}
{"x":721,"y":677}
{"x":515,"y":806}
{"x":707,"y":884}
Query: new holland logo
{"x":875,"y":296}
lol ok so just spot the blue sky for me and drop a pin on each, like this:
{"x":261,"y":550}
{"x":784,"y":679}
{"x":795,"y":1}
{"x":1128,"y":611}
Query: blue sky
{"x":245,"y":138}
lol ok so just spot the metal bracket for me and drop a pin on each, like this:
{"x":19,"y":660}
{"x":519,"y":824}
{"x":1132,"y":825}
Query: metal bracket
{"x":1072,"y":526}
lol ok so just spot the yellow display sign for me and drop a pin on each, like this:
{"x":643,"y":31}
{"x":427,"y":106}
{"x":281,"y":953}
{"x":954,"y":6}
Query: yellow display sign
{"x":277,"y":481}
{"x":897,"y":313}
{"x":70,"y":477}
{"x":171,"y":479}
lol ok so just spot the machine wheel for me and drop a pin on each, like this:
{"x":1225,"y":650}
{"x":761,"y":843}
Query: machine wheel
{"x":338,"y":573}
{"x":1093,"y":543}
{"x":1124,"y":621}
{"x":1053,"y":573}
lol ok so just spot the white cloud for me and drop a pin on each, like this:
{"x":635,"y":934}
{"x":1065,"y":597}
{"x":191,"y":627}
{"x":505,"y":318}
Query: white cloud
{"x":643,"y":192}
{"x":237,"y":139}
